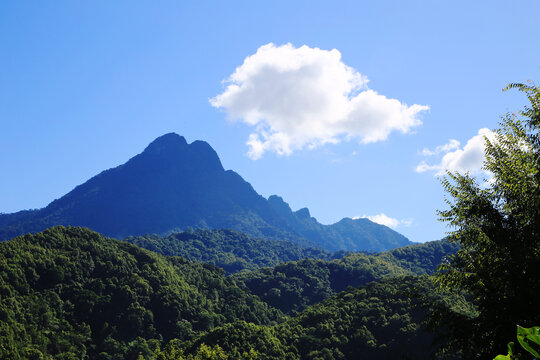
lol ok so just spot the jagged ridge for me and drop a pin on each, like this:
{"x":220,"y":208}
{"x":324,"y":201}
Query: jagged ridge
{"x":173,"y":185}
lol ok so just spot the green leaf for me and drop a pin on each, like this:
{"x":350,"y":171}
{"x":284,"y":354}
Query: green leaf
{"x":510,"y":356}
{"x":511,"y":348}
{"x":529,"y":338}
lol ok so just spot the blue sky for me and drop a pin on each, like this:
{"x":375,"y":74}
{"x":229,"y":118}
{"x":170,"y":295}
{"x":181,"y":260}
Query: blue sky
{"x":84,"y":86}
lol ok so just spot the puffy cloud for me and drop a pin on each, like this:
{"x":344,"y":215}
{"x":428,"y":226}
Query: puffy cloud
{"x":469,"y":159}
{"x":383,"y":219}
{"x":306,"y":97}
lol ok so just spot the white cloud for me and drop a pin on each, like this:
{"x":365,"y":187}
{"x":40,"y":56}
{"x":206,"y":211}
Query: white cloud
{"x":406,"y":223}
{"x":306,"y":97}
{"x":452,"y":145}
{"x":469,"y":159}
{"x":383,"y":219}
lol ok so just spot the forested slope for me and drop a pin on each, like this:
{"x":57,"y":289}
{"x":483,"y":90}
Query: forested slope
{"x":293,"y":286}
{"x":71,"y":293}
{"x":231,"y":250}
{"x":384,"y":320}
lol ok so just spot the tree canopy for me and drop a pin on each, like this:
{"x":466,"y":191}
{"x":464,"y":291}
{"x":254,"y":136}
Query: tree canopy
{"x":70,"y":293}
{"x":496,"y":221}
{"x":231,"y":250}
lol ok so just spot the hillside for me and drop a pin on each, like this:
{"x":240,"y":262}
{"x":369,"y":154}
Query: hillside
{"x":172,"y":186}
{"x":70,"y":293}
{"x":296,"y":285}
{"x":230,"y":250}
{"x":384,"y":320}
{"x":73,"y":294}
{"x":290,"y":277}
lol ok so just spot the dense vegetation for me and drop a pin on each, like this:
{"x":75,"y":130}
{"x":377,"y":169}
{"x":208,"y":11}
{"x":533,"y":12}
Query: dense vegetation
{"x":73,"y":294}
{"x":231,"y":250}
{"x":235,"y":251}
{"x":497,"y":224}
{"x":293,"y":286}
{"x":419,"y":259}
{"x":70,"y":293}
{"x":384,"y":320}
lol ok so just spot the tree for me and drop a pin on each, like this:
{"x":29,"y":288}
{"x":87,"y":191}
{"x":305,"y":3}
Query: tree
{"x":497,"y":224}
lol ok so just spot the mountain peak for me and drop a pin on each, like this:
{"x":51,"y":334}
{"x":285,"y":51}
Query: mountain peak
{"x":279,"y":205}
{"x":173,"y":147}
{"x":303,"y":213}
{"x":175,"y":185}
{"x":166,"y":143}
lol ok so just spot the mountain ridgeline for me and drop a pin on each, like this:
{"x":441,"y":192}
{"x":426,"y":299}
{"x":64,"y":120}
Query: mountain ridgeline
{"x":173,"y":185}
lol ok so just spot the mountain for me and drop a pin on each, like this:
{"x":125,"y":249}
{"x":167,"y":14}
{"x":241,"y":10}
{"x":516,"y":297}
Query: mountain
{"x":173,"y":185}
{"x":170,"y":185}
{"x":70,"y":293}
{"x":343,"y":235}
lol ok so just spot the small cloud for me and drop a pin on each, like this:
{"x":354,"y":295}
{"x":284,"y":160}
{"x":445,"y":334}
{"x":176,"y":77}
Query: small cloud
{"x":383,"y":219}
{"x":468,"y":159}
{"x":406,"y":223}
{"x":452,"y":145}
{"x":423,"y":167}
{"x":296,"y":98}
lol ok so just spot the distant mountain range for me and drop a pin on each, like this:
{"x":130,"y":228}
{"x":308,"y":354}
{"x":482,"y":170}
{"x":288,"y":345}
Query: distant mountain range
{"x":173,"y":185}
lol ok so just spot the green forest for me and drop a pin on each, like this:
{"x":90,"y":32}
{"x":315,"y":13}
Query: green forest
{"x":72,"y":293}
{"x":230,"y":250}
